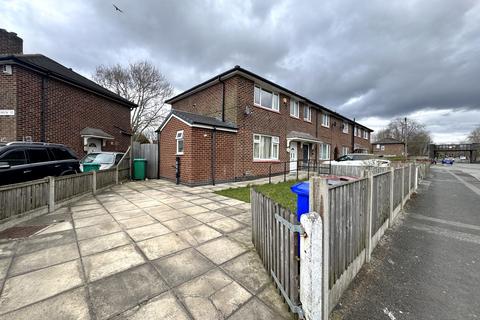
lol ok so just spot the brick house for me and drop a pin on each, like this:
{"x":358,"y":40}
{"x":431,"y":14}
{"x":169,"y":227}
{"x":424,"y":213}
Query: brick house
{"x":388,"y":147}
{"x":239,"y":125}
{"x":42,"y":100}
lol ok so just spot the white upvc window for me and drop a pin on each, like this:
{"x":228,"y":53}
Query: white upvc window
{"x":355,"y":132}
{"x":344,"y":151}
{"x":179,"y":138}
{"x":365,"y":134}
{"x":345,"y":127}
{"x":383,"y":148}
{"x":294,"y":108}
{"x":307,"y":113}
{"x":324,"y":151}
{"x":265,"y":147}
{"x":325,"y":120}
{"x":266,"y":99}
{"x":378,"y":146}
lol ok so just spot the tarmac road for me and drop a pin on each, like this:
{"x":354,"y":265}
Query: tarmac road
{"x":428,"y":265}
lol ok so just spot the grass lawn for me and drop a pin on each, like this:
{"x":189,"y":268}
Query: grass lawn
{"x":279,"y":192}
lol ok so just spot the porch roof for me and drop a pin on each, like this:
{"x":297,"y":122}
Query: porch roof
{"x":95,"y":133}
{"x":301,"y":136}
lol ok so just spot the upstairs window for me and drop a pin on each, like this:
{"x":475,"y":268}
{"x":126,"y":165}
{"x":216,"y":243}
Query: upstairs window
{"x":179,"y":138}
{"x":307,"y":114}
{"x":325,"y":120}
{"x":266,"y":99}
{"x":355,"y":132}
{"x":345,"y":127}
{"x":294,"y":108}
{"x":265,"y":147}
{"x":365,"y":134}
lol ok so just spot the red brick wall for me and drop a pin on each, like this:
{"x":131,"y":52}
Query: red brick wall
{"x":391,"y":149}
{"x":8,"y":101}
{"x":10,"y":43}
{"x":196,"y":161}
{"x":238,"y":96}
{"x":69,"y":110}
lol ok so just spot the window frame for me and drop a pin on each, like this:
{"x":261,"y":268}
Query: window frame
{"x":345,"y":126}
{"x":275,"y":99}
{"x":327,"y":117}
{"x":309,"y":118}
{"x":180,"y":136}
{"x":321,"y":151}
{"x":345,"y":150}
{"x":293,"y":101}
{"x":274,"y":147}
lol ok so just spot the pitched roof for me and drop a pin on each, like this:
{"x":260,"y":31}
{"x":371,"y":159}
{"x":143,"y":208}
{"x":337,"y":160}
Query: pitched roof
{"x":248,"y":73}
{"x":43,"y":64}
{"x":197,"y":119}
{"x":388,"y":141}
{"x":95,"y":132}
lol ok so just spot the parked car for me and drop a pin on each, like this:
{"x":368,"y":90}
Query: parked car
{"x":106,"y":160}
{"x":360,"y":159}
{"x":22,"y":161}
{"x":448,"y":160}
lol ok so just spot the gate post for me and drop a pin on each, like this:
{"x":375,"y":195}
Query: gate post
{"x":392,"y":194}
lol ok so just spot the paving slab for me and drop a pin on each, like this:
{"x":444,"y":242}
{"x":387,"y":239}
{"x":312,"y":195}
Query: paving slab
{"x":39,"y":285}
{"x":45,"y":241}
{"x":97,"y":230}
{"x":7,"y":248}
{"x":103,"y":243}
{"x":120,"y":207}
{"x":139,"y":221}
{"x":181,"y":223}
{"x":89,"y":213}
{"x":86,"y":207}
{"x":248,"y":270}
{"x":128,"y":214}
{"x":244,"y":236}
{"x":149,"y":231}
{"x":147,"y":203}
{"x":198,"y":235}
{"x":106,"y":263}
{"x":4,"y":263}
{"x":165,"y":306}
{"x":71,"y":305}
{"x":158,"y":208}
{"x":161,"y":246}
{"x":209,"y":216}
{"x":230,"y":298}
{"x":90,"y":221}
{"x":166,"y":215}
{"x":193,"y":210}
{"x":272,"y":299}
{"x":230,"y":211}
{"x":57,"y":227}
{"x":183,"y":266}
{"x":221,"y":250}
{"x":118,"y":293}
{"x":254,"y":310}
{"x":43,"y":258}
{"x":226,"y":225}
{"x":245,"y":218}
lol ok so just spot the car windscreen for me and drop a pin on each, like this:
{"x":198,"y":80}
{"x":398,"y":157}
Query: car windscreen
{"x":98,"y":158}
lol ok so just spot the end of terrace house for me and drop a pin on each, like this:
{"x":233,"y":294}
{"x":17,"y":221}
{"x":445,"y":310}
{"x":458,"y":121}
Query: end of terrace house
{"x":239,"y":125}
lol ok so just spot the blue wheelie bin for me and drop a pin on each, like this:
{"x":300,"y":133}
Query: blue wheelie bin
{"x":301,"y":189}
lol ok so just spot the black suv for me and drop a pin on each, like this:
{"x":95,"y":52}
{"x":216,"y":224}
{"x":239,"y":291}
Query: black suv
{"x":22,"y":161}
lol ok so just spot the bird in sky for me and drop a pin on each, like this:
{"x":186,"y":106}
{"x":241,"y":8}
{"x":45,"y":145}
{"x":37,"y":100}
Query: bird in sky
{"x":117,"y":8}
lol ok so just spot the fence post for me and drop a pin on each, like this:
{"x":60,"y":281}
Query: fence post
{"x":320,"y":202}
{"x":270,"y":174}
{"x":409,"y":179}
{"x":368,"y":229}
{"x":403,"y":187}
{"x":311,"y":266}
{"x":51,"y":194}
{"x":285,"y":172}
{"x":116,"y":175}
{"x":392,"y":194}
{"x":416,"y":178}
{"x":94,"y":182}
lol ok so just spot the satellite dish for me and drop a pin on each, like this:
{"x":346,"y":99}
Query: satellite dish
{"x":248,"y":111}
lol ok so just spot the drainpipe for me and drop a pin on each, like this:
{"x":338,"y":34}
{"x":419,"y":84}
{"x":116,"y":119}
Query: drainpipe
{"x":43,"y":108}
{"x":213,"y":155}
{"x":353,"y":136}
{"x":223,"y":98}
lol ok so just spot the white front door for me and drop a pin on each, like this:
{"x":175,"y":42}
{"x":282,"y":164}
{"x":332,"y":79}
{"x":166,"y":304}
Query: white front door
{"x":94,"y":145}
{"x":293,"y":156}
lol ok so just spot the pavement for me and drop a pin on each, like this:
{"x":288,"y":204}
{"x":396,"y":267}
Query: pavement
{"x":141,"y":250}
{"x":428,"y":265}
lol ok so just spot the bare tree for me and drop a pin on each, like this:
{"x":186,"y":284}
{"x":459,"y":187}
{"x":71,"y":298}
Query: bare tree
{"x":411,"y":132}
{"x":142,"y":83}
{"x":474,"y":136}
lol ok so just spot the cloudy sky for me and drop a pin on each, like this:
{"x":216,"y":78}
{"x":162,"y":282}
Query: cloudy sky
{"x":372,"y":60}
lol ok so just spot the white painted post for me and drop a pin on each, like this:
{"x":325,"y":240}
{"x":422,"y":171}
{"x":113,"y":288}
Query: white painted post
{"x":320,"y":203}
{"x":409,"y":180}
{"x":403,"y":187}
{"x":368,"y":229}
{"x":392,"y":186}
{"x":311,"y":266}
{"x":51,"y":194}
{"x":416,"y":178}
{"x":94,"y":182}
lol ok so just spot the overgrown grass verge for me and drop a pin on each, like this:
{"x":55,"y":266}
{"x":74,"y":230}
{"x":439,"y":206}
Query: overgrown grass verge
{"x":279,"y":192}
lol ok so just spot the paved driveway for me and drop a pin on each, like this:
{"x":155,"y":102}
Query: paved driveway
{"x":143,"y":250}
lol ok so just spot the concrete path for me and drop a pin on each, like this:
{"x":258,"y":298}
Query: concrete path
{"x":428,"y":266}
{"x":143,"y":250}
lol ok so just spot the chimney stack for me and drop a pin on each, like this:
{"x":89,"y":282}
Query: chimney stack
{"x":10,"y":43}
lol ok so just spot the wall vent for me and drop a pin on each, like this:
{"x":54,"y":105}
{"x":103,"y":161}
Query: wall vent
{"x":7,"y":69}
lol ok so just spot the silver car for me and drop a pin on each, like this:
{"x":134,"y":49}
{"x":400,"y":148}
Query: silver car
{"x":106,"y":160}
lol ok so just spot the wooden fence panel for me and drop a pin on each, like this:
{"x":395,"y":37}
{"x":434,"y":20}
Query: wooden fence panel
{"x":348,"y":212}
{"x":106,"y":177}
{"x":381,"y":200}
{"x":23,"y":197}
{"x":406,"y":189}
{"x":397,"y":188}
{"x":148,"y":151}
{"x":276,"y":244}
{"x":70,"y":186}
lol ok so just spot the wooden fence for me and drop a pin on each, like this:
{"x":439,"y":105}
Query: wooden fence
{"x":277,"y":245}
{"x":149,"y":152}
{"x":40,"y":196}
